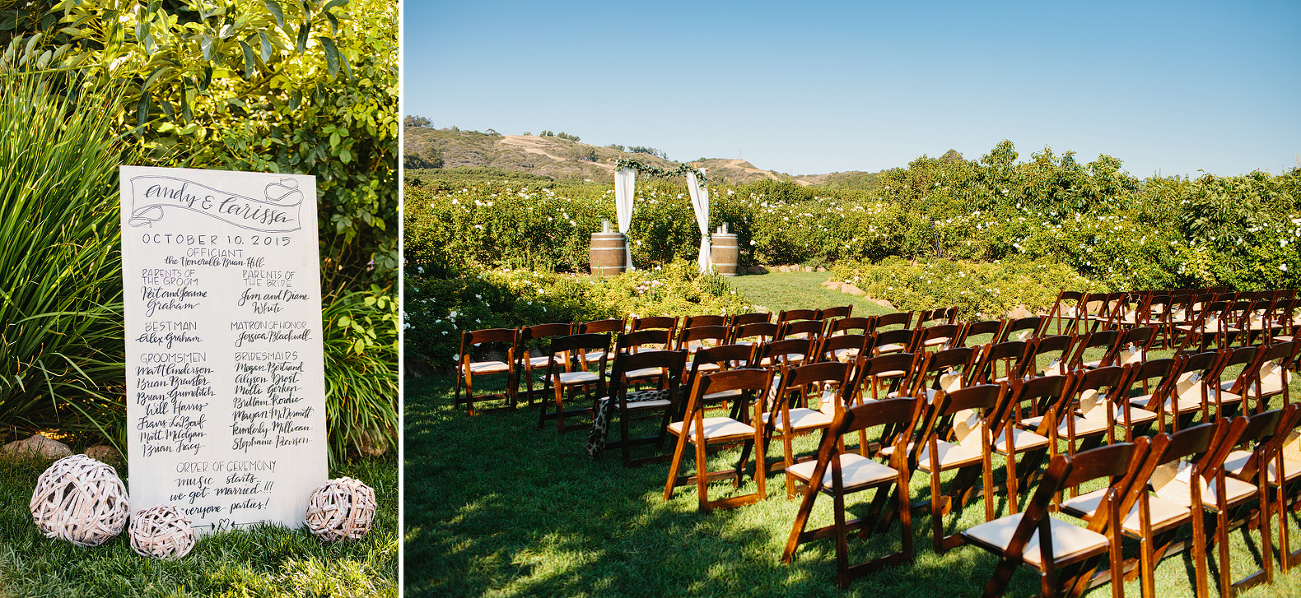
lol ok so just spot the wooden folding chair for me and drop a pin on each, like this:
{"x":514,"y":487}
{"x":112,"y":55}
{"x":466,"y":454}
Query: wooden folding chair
{"x":753,"y":333}
{"x":1243,"y":480}
{"x":1011,"y":355}
{"x":948,"y":370}
{"x":1065,"y":554}
{"x":1056,"y":349}
{"x":1022,"y":329}
{"x":1013,"y":436}
{"x":750,"y":318}
{"x":691,"y":338}
{"x":612,"y":326}
{"x":842,"y":347}
{"x":646,"y":339}
{"x":1100,"y":339}
{"x":1148,"y":388}
{"x":791,"y":315}
{"x":957,"y":437}
{"x":715,"y":359}
{"x":629,"y":405}
{"x":704,"y":320}
{"x":939,"y":315}
{"x":1266,"y":377}
{"x":838,"y":472}
{"x":938,"y":337}
{"x":790,"y":414}
{"x":1155,"y":521}
{"x":467,"y":367}
{"x":1130,"y":347}
{"x":863,"y":324}
{"x":903,"y":319}
{"x":1278,"y":458}
{"x":831,"y":313}
{"x":901,"y":340}
{"x":809,"y":329}
{"x":1067,"y":308}
{"x":1085,"y":414}
{"x":699,"y":431}
{"x":531,"y":367}
{"x":896,"y":370}
{"x":975,"y":332}
{"x":569,"y":371}
{"x":669,"y":323}
{"x":790,"y":351}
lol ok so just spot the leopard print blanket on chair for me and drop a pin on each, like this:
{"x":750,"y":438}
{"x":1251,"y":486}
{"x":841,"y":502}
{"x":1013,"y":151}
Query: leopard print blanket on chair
{"x":604,"y":411}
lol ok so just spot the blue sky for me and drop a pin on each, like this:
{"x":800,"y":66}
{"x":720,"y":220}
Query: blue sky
{"x":816,"y":87}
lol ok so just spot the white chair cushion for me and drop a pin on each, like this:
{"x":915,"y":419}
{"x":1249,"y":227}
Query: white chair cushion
{"x":1068,"y":539}
{"x":1238,"y":460}
{"x":950,"y":455}
{"x":856,"y":471}
{"x":801,"y":419}
{"x":1164,"y":512}
{"x":715,"y":428}
{"x":488,"y":367}
{"x":577,"y":377}
{"x":1021,"y":440}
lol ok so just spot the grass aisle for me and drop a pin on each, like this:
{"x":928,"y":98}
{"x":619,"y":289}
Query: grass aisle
{"x":267,"y":561}
{"x":798,"y":290}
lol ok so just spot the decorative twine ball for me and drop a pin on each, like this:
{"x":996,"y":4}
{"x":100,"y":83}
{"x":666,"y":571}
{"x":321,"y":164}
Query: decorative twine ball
{"x":342,"y":508}
{"x":162,"y":532}
{"x":80,"y":500}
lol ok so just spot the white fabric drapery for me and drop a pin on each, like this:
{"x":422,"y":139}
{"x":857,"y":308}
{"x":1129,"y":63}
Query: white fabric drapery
{"x":700,"y":203}
{"x":624,"y":179}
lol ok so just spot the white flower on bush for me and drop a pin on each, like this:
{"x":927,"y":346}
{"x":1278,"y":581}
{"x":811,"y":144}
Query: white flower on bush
{"x":452,"y":316}
{"x":1282,"y":267}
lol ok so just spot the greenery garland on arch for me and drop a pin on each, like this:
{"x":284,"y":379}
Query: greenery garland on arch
{"x":647,"y":169}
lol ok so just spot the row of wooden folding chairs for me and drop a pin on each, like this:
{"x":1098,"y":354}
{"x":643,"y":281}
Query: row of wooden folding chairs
{"x":519,"y":350}
{"x":1209,"y":317}
{"x":1225,"y":477}
{"x":1057,"y":410}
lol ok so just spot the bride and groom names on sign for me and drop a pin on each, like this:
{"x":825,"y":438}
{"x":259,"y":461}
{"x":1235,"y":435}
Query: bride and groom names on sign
{"x":224,"y":344}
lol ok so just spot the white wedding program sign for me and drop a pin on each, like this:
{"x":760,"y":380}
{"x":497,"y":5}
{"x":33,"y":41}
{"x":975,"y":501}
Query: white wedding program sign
{"x":225,"y":371}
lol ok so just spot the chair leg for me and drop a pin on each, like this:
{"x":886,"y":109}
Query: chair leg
{"x":676,"y":464}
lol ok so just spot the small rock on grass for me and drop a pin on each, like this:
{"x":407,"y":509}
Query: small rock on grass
{"x":1018,"y":312}
{"x":104,"y":453}
{"x":36,"y":446}
{"x":852,"y":290}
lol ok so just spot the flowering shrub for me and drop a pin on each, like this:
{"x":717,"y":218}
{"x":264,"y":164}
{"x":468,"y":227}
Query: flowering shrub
{"x":438,"y":309}
{"x":1094,"y":218}
{"x":978,"y":289}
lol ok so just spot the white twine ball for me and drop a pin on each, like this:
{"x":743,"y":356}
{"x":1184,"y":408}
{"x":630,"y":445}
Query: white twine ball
{"x":342,"y":508}
{"x":162,"y":532}
{"x":80,"y":500}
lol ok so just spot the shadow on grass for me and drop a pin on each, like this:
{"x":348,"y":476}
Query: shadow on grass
{"x":496,"y":507}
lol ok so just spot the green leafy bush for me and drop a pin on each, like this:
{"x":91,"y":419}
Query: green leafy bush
{"x":980,"y":290}
{"x":306,"y":87}
{"x":1095,"y":218}
{"x":60,"y":301}
{"x":361,"y":346}
{"x":437,"y":309}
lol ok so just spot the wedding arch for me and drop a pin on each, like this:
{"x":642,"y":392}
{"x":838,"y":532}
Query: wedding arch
{"x":697,"y":185}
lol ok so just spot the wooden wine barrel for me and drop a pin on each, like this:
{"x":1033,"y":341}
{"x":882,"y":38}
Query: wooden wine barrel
{"x":725,"y":253}
{"x":608,"y":254}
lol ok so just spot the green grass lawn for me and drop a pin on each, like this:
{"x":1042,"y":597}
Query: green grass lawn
{"x":266,"y":561}
{"x":798,"y":290}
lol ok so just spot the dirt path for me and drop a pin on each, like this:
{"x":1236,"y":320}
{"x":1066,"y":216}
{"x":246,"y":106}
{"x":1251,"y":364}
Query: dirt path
{"x":535,"y":145}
